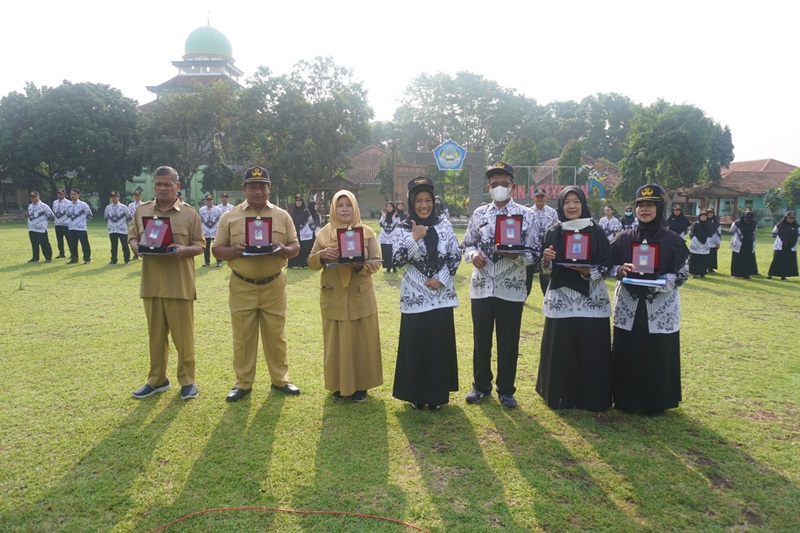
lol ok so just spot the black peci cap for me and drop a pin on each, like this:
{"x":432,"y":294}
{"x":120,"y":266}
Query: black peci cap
{"x":651,"y":193}
{"x":420,"y":183}
{"x":256,"y":175}
{"x":500,"y":168}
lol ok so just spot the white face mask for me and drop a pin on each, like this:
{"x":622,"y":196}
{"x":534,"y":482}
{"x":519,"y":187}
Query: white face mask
{"x":501,"y":194}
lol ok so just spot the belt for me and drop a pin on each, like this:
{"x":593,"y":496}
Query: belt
{"x":262,"y":281}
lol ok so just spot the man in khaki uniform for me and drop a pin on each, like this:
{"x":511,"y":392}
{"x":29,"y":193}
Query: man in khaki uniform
{"x":167,"y":287}
{"x":257,"y":296}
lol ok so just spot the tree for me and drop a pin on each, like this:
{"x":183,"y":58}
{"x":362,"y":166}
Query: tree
{"x":570,"y":157}
{"x":88,"y":130}
{"x":674,"y":145}
{"x":791,"y":188}
{"x":180,"y":129}
{"x":606,"y":120}
{"x":773,"y":199}
{"x":469,"y":109}
{"x":304,"y":125}
{"x":217,"y":175}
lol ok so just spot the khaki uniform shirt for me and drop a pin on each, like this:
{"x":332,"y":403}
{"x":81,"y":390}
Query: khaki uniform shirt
{"x":169,"y":277}
{"x":231,"y":231}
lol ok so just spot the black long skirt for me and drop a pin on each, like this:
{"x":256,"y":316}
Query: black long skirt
{"x":784,"y":264}
{"x":427,"y":362}
{"x":386,"y":253}
{"x":301,"y":259}
{"x":575,"y":364}
{"x":698,"y":264}
{"x":647,"y":367}
{"x":712,"y":259}
{"x":743,"y":264}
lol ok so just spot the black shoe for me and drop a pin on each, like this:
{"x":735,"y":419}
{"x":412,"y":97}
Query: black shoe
{"x":655,"y":413}
{"x":337,"y":395}
{"x":61,"y":256}
{"x":417,"y":406}
{"x":48,"y":260}
{"x":782,"y":279}
{"x":72,"y":261}
{"x":476,"y":396}
{"x":112,"y":262}
{"x":434,"y":407}
{"x":359,"y":396}
{"x":147,"y":390}
{"x":188,"y":392}
{"x":288,"y":389}
{"x":33,"y":260}
{"x":87,"y":261}
{"x":508,"y":401}
{"x":206,"y":264}
{"x":237,"y":394}
{"x":770,"y":277}
{"x":127,"y":262}
{"x":219,"y":264}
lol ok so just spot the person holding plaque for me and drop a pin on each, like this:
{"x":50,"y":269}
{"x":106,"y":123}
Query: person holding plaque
{"x":701,"y":235}
{"x":497,"y":287}
{"x":167,"y":288}
{"x":257,"y":238}
{"x":575,"y":357}
{"x":427,"y":363}
{"x":743,"y":246}
{"x":784,"y":255}
{"x":352,"y":344}
{"x":646,"y":348}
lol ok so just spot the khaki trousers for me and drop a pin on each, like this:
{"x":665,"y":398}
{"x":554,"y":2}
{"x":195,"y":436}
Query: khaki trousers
{"x":175,"y":317}
{"x":257,"y":308}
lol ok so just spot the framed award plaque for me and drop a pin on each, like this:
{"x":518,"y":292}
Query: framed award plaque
{"x":576,"y":248}
{"x":644,"y":257}
{"x":258,"y":235}
{"x":157,"y":236}
{"x":508,"y":233}
{"x":351,"y":245}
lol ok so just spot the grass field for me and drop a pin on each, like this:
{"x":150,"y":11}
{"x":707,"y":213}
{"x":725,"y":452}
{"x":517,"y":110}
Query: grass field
{"x":77,"y":453}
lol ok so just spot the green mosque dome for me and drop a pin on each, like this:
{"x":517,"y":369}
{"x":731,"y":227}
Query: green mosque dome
{"x":207,"y":41}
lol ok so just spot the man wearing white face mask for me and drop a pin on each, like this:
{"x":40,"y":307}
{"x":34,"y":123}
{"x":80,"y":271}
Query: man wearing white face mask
{"x":497,"y":289}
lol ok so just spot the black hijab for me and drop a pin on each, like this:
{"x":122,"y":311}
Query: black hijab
{"x":672,"y":249}
{"x":678,"y":223}
{"x":300,"y":214}
{"x":702,"y":229}
{"x":312,"y":206}
{"x":431,"y":236}
{"x":627,"y":220}
{"x":600,"y":249}
{"x":400,"y":214}
{"x":713,"y":220}
{"x":788,"y":233}
{"x":747,"y":226}
{"x":390,"y":214}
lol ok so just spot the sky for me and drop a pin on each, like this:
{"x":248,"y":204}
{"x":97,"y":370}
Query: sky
{"x":735,"y":61}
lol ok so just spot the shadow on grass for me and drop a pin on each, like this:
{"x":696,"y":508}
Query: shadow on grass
{"x":351,"y":470}
{"x":679,"y":472}
{"x":98,"y":489}
{"x":467,"y":493}
{"x":567,"y":495}
{"x":229,"y":473}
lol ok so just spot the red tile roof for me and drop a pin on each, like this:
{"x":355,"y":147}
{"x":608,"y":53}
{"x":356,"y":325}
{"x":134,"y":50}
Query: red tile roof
{"x":365,"y":165}
{"x":754,"y":178}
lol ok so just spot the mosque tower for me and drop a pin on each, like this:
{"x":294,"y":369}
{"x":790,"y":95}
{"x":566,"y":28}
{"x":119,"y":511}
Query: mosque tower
{"x":207,"y":57}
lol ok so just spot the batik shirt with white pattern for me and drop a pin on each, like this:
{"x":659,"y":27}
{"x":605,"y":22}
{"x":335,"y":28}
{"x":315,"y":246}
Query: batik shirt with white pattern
{"x":224,"y":208}
{"x":79,"y":214}
{"x":502,"y":277}
{"x":38,"y":215}
{"x":133,"y":206}
{"x":117,"y":216}
{"x":60,"y":211}
{"x":210,"y":219}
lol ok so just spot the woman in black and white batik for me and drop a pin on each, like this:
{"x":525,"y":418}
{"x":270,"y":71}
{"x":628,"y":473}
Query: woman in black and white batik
{"x":427,"y":366}
{"x":575,"y":359}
